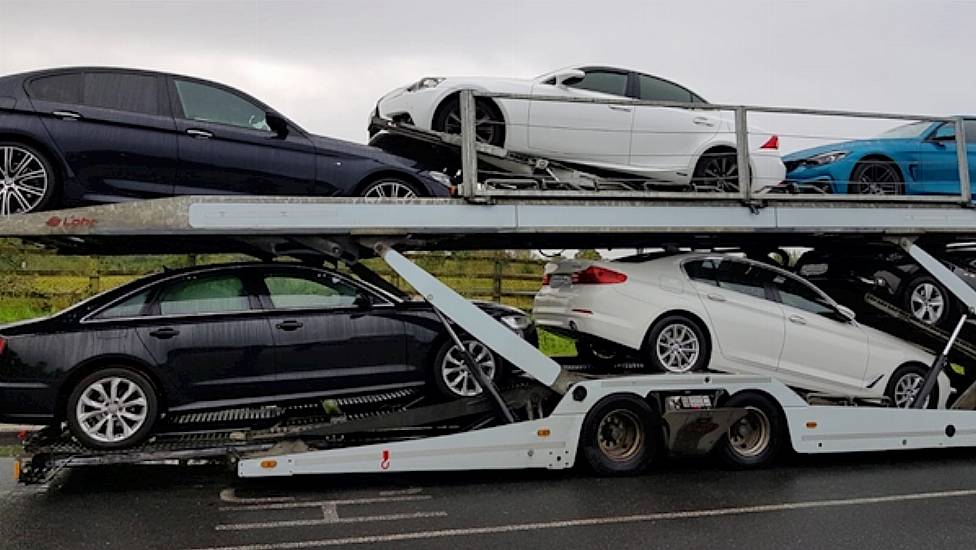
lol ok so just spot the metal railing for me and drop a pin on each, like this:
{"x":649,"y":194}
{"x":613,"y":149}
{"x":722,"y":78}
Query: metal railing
{"x":472,"y":189}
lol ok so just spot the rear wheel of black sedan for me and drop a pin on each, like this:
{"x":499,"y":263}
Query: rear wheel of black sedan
{"x":27,"y":179}
{"x":112,"y":408}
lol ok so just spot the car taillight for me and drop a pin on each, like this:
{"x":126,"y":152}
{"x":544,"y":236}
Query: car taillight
{"x":3,"y":345}
{"x":545,"y":279}
{"x":595,"y":275}
{"x":771,"y":143}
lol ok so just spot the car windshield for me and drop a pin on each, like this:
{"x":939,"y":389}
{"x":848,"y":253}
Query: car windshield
{"x":914,"y":129}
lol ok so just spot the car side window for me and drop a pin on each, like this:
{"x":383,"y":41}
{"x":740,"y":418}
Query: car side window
{"x":602,"y":81}
{"x":135,"y":93}
{"x":656,"y":89}
{"x":59,"y":88}
{"x":220,"y":294}
{"x":793,"y":293}
{"x":948,"y":132}
{"x":703,"y":271}
{"x":210,"y":104}
{"x":744,"y":277}
{"x":295,"y":292}
{"x":970,"y":126}
{"x":133,"y":306}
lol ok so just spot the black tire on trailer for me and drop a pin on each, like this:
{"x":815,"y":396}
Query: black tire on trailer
{"x":489,"y":121}
{"x":906,"y":382}
{"x":112,"y":408}
{"x":33,"y":185}
{"x":876,"y":176}
{"x":717,"y":169}
{"x":597,"y":355}
{"x":621,"y":436}
{"x":757,"y":439}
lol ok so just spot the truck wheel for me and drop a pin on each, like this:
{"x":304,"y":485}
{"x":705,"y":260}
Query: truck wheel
{"x":620,"y":436}
{"x":112,"y":408}
{"x":756,"y":440}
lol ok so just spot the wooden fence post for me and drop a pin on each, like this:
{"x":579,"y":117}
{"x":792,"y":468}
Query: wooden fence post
{"x":496,"y":281}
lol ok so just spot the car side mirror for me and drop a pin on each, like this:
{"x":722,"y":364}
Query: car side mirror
{"x":570,"y":76}
{"x":846,"y":313}
{"x":277,"y":124}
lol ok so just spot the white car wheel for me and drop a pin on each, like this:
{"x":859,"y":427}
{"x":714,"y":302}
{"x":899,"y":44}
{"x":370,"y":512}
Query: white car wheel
{"x":905,"y":385}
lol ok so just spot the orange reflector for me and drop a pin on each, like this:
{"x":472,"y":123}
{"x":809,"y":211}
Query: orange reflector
{"x":811,"y":425}
{"x":16,"y":470}
{"x":543,"y":432}
{"x":269,"y":464}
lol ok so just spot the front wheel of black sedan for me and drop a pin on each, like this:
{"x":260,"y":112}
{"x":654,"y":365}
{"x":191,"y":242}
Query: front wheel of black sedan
{"x":27,"y":179}
{"x":390,"y":188}
{"x":451,"y":376}
{"x":112,"y":408}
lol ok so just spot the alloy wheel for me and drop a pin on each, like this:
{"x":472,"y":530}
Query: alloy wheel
{"x":879,"y":178}
{"x":390,"y":189}
{"x":677,"y":348}
{"x":927,"y":303}
{"x":112,"y":409}
{"x":620,"y":435}
{"x":454,"y":371}
{"x":907,"y":388}
{"x":721,"y":172}
{"x":486,"y":127}
{"x":24,"y":180}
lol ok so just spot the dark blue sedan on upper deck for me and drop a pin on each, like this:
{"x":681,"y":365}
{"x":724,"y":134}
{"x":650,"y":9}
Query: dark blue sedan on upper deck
{"x":94,"y":135}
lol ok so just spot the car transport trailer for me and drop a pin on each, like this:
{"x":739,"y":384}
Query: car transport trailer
{"x":616,"y":424}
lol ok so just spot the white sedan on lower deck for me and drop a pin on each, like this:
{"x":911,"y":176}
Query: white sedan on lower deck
{"x":688,"y":148}
{"x":694,"y":311}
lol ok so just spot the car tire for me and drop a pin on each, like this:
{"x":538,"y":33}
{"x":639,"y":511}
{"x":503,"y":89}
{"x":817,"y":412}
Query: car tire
{"x":876,"y":177}
{"x":489,"y":122}
{"x":110,"y":399}
{"x":390,"y":188}
{"x":621,"y":436}
{"x":756,"y":440}
{"x":677,"y":344}
{"x":597,"y":355}
{"x":928,"y":301}
{"x":905,"y":382}
{"x":450,"y":377}
{"x":717,"y":171}
{"x":31,"y":194}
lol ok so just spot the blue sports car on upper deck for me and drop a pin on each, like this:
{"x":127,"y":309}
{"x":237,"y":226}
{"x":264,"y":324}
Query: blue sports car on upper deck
{"x":912,"y":159}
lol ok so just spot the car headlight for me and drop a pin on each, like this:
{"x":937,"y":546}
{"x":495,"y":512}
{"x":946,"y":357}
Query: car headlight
{"x":425,"y":82}
{"x":518,"y":323}
{"x":440,"y":177}
{"x":826,"y":158}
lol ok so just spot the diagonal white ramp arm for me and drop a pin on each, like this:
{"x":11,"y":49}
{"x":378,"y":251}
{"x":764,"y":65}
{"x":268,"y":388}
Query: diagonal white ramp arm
{"x":937,"y":269}
{"x":479,"y":324}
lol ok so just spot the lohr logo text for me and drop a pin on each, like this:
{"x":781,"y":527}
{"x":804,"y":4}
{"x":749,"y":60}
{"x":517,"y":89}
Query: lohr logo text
{"x":70,"y":221}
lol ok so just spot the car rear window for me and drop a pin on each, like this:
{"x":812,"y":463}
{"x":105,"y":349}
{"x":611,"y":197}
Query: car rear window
{"x":223,"y":294}
{"x":135,"y":93}
{"x":130,"y":307}
{"x":60,"y":88}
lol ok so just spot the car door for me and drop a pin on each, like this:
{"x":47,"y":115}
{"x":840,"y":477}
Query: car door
{"x":331,"y":336}
{"x":210,"y":333}
{"x":747,"y":323}
{"x":591,"y":133}
{"x":821,"y":346}
{"x":114,"y":130}
{"x":939,"y":166}
{"x":227,"y":145}
{"x":665,"y":138}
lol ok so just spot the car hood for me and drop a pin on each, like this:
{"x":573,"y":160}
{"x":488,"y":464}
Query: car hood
{"x":853,"y":145}
{"x":497,"y":310}
{"x":342,"y":147}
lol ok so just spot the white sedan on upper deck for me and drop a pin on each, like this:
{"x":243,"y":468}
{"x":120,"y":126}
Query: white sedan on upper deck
{"x":689,"y":148}
{"x":688,"y":312}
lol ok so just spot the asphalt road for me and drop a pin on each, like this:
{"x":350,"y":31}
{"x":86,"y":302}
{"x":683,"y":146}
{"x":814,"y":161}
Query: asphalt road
{"x":911,"y":500}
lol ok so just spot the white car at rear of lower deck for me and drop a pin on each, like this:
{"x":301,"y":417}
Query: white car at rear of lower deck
{"x":694,"y":311}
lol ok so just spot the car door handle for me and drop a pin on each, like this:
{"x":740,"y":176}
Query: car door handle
{"x":703,"y":121}
{"x":199,"y":134}
{"x":288,"y":325}
{"x":620,"y":108}
{"x":67,"y":115}
{"x":716,"y":297}
{"x":797,"y":320}
{"x":164,"y":333}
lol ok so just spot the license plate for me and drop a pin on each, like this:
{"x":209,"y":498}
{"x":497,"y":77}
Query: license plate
{"x":557,"y":281}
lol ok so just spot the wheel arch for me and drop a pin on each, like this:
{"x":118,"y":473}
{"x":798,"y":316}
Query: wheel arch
{"x":877,"y":156}
{"x":58,"y":163}
{"x":382,"y":173}
{"x":442,"y":102}
{"x":95,"y":364}
{"x":694,"y":317}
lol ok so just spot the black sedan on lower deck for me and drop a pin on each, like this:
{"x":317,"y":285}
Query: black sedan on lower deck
{"x":84,"y":135}
{"x":223,"y":336}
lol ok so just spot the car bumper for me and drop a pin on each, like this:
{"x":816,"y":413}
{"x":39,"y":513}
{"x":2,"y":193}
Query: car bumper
{"x":582,"y":315}
{"x":817,"y":178}
{"x":768,"y":171}
{"x":26,"y":403}
{"x":418,"y":106}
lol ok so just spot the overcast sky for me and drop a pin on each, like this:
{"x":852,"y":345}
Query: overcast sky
{"x":325,"y":63}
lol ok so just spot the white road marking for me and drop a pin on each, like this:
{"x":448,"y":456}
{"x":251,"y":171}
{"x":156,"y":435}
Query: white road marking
{"x":335,"y":520}
{"x":229,"y":495}
{"x":318,"y":503}
{"x":610,"y":520}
